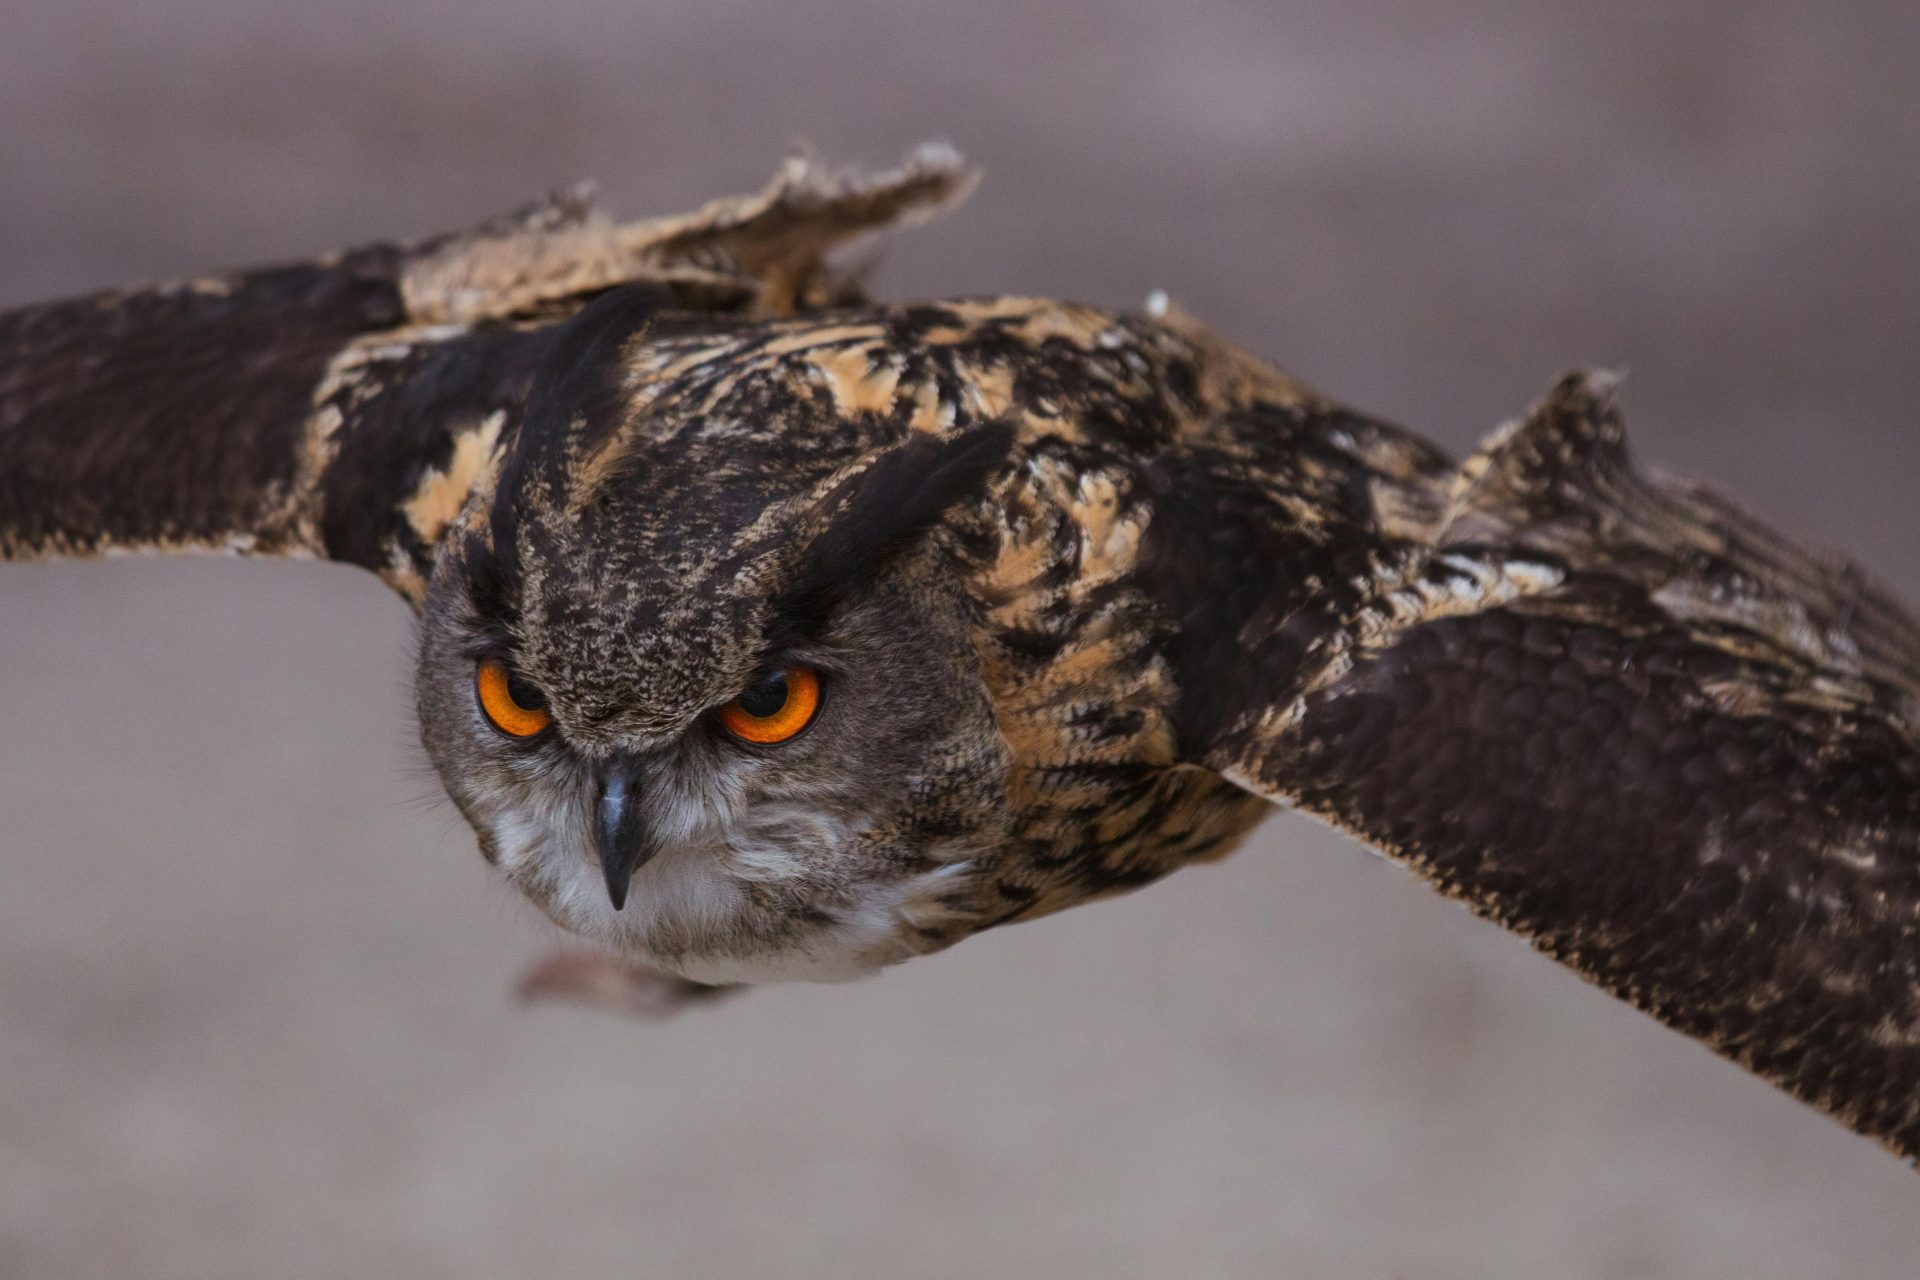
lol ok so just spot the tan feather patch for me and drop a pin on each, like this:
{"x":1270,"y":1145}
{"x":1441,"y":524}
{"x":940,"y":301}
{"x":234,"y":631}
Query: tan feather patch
{"x":442,"y":493}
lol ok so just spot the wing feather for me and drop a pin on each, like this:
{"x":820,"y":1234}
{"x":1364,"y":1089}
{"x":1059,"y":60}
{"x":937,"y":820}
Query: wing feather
{"x":347,"y":407}
{"x":1682,"y":759}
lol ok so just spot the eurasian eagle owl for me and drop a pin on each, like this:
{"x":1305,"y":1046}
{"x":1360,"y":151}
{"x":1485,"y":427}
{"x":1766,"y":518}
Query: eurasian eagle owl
{"x":772,"y":633}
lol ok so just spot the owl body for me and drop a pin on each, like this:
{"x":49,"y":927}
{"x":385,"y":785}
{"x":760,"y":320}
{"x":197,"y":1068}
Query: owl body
{"x":999,"y":737}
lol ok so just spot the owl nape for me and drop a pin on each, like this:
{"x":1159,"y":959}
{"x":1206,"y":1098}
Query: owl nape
{"x":770,"y":632}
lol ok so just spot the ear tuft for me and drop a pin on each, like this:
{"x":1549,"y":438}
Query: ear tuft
{"x":884,"y":510}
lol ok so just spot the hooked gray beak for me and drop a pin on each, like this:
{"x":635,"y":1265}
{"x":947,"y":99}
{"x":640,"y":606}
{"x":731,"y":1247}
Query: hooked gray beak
{"x":622,"y":837}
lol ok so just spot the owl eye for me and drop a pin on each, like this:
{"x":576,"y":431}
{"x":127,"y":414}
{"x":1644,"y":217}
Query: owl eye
{"x":510,"y":701}
{"x":776,"y":709}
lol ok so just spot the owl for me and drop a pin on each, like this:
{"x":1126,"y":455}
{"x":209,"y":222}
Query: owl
{"x":769,"y":632}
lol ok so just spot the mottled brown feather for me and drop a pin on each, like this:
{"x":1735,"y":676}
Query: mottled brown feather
{"x":1682,"y":758}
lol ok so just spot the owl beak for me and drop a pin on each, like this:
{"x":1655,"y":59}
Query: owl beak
{"x":624,"y":841}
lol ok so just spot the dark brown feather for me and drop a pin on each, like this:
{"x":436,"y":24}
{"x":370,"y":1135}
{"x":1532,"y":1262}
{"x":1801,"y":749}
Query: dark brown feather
{"x":1676,"y":752}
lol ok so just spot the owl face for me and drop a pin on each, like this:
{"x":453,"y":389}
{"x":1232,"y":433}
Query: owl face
{"x":737,"y":860}
{"x":722,"y":714}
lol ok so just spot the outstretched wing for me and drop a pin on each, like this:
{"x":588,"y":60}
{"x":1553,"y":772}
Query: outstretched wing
{"x":1629,"y":722}
{"x":345,"y":408}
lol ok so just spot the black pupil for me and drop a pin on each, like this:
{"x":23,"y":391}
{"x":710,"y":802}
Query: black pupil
{"x":766,"y":698}
{"x":525,"y":694}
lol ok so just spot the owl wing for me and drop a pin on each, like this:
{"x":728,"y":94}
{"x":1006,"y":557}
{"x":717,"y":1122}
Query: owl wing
{"x":345,"y":408}
{"x":1632,"y":724}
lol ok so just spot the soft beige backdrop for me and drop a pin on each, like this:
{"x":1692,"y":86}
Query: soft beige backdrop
{"x":254,"y":1016}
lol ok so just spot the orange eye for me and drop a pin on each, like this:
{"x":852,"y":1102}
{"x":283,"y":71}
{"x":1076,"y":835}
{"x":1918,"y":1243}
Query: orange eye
{"x":776,"y":709}
{"x":511,"y":703}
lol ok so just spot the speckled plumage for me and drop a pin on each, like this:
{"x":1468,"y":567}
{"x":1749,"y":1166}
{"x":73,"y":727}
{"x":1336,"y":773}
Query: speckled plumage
{"x":1092,"y":591}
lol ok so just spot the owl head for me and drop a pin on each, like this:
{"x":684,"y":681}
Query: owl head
{"x":696,"y":670}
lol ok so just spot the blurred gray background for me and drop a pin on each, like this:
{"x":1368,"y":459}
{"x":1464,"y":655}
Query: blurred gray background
{"x":254,"y":981}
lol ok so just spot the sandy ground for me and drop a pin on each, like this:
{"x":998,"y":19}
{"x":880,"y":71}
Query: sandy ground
{"x":254,"y":1014}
